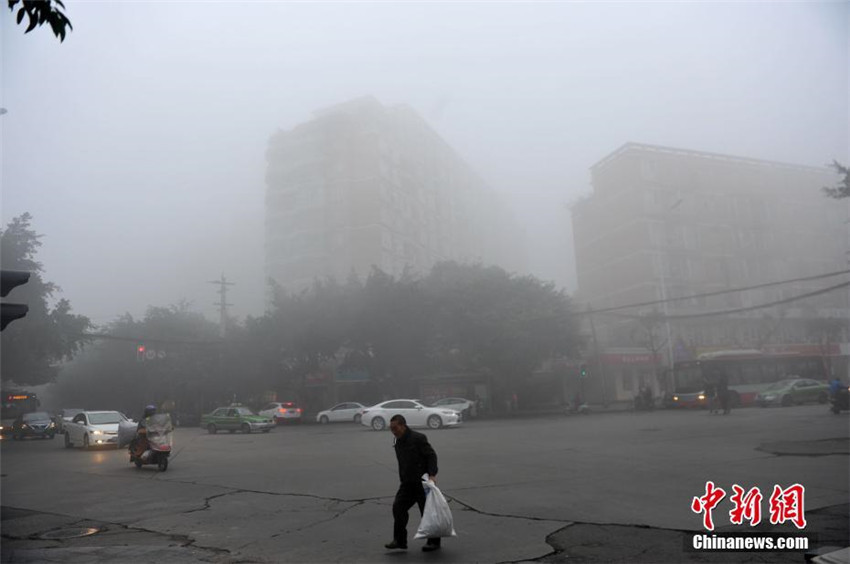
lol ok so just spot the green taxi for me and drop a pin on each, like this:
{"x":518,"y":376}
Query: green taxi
{"x":794,"y":391}
{"x":235,"y":418}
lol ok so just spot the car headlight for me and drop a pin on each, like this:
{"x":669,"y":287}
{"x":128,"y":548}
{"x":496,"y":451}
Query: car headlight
{"x":97,"y":432}
{"x":25,"y":426}
{"x":675,"y":398}
{"x":702,"y":396}
{"x":449,"y":413}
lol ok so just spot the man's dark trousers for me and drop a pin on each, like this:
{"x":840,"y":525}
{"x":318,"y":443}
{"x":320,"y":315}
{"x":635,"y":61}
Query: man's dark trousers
{"x":407,"y":496}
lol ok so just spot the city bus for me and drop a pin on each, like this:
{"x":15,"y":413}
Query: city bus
{"x":16,"y":403}
{"x":749,"y":372}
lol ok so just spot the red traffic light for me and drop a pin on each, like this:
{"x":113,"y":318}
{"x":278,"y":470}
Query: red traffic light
{"x":141,"y":348}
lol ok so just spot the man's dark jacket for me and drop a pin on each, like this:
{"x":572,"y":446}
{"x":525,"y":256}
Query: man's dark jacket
{"x":415,"y":457}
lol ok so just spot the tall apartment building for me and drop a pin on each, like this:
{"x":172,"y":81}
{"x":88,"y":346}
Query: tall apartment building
{"x":363,"y":185}
{"x":665,"y":223}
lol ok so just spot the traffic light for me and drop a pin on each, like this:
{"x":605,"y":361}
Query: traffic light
{"x":10,"y":279}
{"x":582,"y":370}
{"x":140,"y":353}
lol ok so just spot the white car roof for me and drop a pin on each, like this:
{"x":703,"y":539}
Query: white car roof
{"x":99,"y":412}
{"x":400,"y":399}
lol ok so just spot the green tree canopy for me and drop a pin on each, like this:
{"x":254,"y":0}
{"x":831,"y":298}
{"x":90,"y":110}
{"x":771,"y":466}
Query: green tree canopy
{"x":180,"y":369}
{"x":40,"y":12}
{"x":50,"y":333}
{"x":503,"y":324}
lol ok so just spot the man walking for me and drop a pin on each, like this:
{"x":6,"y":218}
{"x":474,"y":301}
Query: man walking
{"x":415,"y":457}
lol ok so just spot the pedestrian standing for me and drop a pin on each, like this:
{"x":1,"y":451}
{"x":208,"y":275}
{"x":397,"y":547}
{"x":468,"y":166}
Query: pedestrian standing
{"x":723,"y":392}
{"x":415,"y":457}
{"x":711,"y":395}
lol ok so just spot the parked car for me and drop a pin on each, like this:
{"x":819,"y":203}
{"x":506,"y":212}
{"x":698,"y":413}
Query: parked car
{"x":417,"y":415}
{"x":351,"y":411}
{"x":185,"y":419}
{"x":235,"y":418}
{"x":466,"y":407}
{"x":93,"y":428}
{"x":794,"y":391}
{"x":282,"y":412}
{"x":37,"y":424}
{"x":65,"y":415}
{"x":68,"y":413}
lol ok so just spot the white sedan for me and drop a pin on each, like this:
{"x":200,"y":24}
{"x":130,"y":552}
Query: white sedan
{"x":350,"y":411}
{"x":282,"y":411}
{"x":465,"y":406}
{"x":415,"y":413}
{"x":93,"y":428}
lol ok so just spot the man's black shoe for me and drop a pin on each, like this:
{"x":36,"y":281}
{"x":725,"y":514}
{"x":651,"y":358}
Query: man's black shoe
{"x":430,"y":547}
{"x":393,"y":545}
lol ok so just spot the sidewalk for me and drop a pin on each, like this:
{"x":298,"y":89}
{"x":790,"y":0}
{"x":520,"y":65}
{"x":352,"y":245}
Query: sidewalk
{"x":560,"y":411}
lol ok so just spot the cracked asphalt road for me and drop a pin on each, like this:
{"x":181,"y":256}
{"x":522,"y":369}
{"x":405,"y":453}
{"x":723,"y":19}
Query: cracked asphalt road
{"x":608,"y":487}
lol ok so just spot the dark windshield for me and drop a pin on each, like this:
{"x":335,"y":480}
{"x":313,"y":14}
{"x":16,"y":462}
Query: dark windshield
{"x":37,"y":416}
{"x":689,"y":378}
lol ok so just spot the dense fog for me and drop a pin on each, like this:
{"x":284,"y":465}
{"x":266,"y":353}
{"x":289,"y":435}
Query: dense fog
{"x":138,"y":144}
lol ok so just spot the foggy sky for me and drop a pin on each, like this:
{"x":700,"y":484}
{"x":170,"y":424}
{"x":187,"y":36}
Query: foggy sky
{"x":139,"y":144}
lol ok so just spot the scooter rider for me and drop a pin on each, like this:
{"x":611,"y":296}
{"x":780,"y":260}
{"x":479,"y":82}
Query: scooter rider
{"x":140,"y":443}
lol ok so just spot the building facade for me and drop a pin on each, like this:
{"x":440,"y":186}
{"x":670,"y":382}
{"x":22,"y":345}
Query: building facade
{"x":667,"y":223}
{"x":364,"y":185}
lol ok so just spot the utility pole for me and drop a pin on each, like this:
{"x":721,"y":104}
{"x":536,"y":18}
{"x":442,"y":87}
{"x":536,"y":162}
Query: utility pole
{"x":597,"y":357}
{"x":222,"y":304}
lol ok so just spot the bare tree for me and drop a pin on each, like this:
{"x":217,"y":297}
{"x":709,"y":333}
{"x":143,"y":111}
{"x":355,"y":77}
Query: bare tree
{"x":843,"y":188}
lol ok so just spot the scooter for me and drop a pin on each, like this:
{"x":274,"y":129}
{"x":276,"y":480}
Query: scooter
{"x":153,"y":442}
{"x":577,"y":407}
{"x":840,"y":400}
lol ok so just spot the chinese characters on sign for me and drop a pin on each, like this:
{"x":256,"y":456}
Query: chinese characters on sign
{"x":785,"y":505}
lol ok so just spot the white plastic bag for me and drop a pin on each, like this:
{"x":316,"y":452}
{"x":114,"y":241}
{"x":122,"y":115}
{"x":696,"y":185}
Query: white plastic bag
{"x":436,"y":517}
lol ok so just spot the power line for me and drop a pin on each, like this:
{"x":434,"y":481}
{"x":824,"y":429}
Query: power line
{"x":743,"y":309}
{"x":108,"y":337}
{"x":718,"y":293}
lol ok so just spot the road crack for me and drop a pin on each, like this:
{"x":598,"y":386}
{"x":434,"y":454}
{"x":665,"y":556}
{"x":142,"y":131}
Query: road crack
{"x":208,"y":499}
{"x":181,"y":540}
